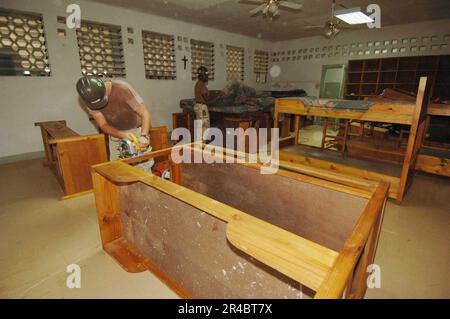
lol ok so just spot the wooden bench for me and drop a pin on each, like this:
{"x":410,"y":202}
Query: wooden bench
{"x":70,"y":156}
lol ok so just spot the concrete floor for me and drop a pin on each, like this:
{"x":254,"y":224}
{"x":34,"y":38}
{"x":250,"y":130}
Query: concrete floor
{"x":40,"y":236}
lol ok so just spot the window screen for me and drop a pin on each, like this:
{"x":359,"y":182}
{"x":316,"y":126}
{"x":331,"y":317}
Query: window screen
{"x":261,"y":67}
{"x":202,"y":54}
{"x":23,"y":47}
{"x":101,"y":49}
{"x":235,"y":63}
{"x":159,"y":56}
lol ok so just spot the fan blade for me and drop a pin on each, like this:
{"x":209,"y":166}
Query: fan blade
{"x":252,"y":1}
{"x":313,"y":27}
{"x":290,"y":5}
{"x":257,"y":9}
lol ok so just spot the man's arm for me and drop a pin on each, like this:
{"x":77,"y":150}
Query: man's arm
{"x":146,"y":125}
{"x":209,"y":96}
{"x":105,"y":127}
{"x":145,"y":118}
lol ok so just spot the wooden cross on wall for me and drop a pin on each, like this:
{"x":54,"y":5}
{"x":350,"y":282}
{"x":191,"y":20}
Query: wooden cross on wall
{"x":185,"y":60}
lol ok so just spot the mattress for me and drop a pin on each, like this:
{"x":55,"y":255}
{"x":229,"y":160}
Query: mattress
{"x":353,"y":105}
{"x":265,"y":104}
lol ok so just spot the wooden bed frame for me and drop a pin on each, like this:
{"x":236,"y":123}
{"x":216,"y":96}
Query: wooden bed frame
{"x":438,"y":163}
{"x":412,"y":114}
{"x":70,"y":156}
{"x":189,"y":230}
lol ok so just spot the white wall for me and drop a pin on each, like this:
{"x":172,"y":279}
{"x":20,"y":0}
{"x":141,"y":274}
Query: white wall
{"x":25,"y":100}
{"x":306,"y":74}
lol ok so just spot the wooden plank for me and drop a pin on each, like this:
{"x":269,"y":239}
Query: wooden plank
{"x":107,"y":204}
{"x":316,"y":176}
{"x":119,"y":172}
{"x":296,"y":129}
{"x":381,"y":112}
{"x":57,"y":129}
{"x":294,"y":256}
{"x":345,"y":179}
{"x":415,"y":137}
{"x":433,"y":165}
{"x":124,"y":254}
{"x":158,"y":138}
{"x":343,"y":169}
{"x":335,"y":283}
{"x":439,"y":109}
{"x":77,"y":138}
{"x":75,"y":157}
{"x":76,"y":195}
{"x":433,"y":108}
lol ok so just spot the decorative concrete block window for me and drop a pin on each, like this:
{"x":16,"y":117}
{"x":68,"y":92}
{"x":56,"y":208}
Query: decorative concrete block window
{"x":23,"y":47}
{"x":159,"y":56}
{"x":101,"y":50}
{"x":202,"y":54}
{"x":235,"y":63}
{"x":261,"y":66}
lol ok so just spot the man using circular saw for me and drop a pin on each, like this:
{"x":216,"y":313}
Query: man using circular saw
{"x":118,"y":111}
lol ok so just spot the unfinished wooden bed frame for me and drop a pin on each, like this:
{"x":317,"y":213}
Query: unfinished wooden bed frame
{"x":227,"y":231}
{"x":70,"y":156}
{"x":412,"y":114}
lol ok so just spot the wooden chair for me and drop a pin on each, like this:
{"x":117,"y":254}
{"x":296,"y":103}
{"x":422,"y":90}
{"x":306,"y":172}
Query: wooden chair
{"x":335,"y":141}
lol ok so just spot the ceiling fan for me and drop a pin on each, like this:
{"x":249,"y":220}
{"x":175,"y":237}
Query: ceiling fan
{"x":271,"y":8}
{"x":332,"y":27}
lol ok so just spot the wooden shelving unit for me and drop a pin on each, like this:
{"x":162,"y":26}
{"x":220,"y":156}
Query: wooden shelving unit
{"x":368,"y":78}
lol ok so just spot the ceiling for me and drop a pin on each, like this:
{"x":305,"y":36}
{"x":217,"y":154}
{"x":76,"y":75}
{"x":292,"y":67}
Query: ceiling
{"x":232,"y":16}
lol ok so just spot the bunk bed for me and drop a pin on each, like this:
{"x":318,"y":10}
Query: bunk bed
{"x":379,"y":110}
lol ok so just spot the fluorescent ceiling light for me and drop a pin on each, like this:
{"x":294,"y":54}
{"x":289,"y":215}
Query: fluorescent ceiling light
{"x":353,"y":16}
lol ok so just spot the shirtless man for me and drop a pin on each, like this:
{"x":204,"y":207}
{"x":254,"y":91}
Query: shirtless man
{"x":203,"y":96}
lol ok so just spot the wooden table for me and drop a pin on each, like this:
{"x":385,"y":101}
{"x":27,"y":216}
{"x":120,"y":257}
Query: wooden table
{"x":70,"y":156}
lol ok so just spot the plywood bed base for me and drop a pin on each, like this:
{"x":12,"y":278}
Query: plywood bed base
{"x":193,"y":233}
{"x":412,"y":114}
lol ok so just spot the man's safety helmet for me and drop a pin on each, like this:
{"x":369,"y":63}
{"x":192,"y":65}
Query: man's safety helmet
{"x":93,"y":92}
{"x":202,"y":73}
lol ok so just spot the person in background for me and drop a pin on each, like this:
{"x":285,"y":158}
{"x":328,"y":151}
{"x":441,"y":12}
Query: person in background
{"x":202,"y":96}
{"x":117,"y":109}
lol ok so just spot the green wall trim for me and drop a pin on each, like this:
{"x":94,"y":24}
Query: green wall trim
{"x":21,"y":157}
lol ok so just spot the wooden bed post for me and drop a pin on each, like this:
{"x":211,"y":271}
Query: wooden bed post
{"x":415,"y":137}
{"x":358,"y":252}
{"x":107,"y":204}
